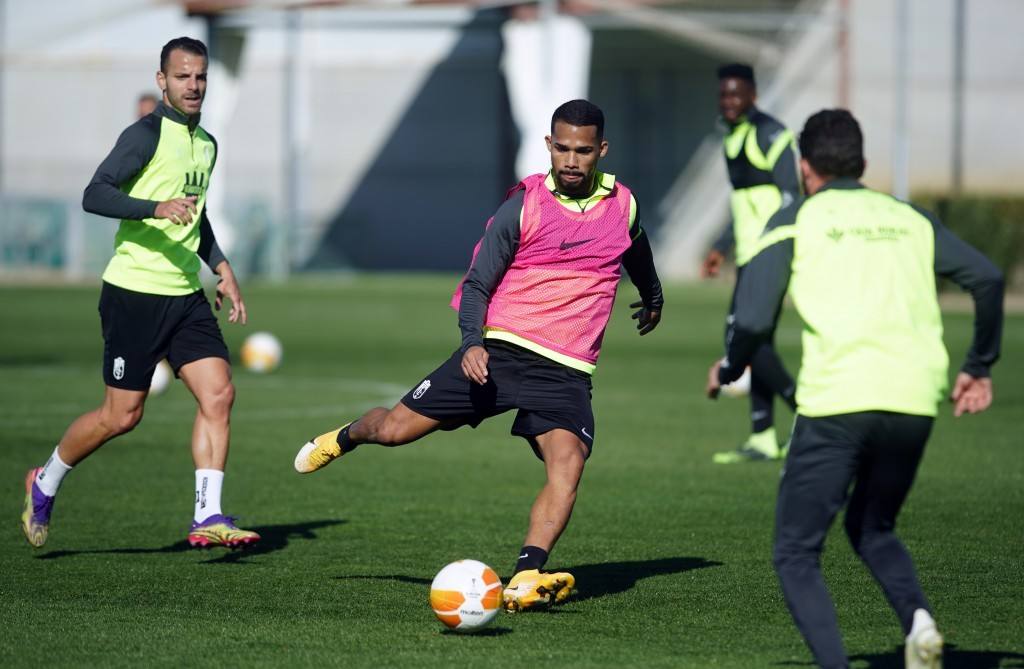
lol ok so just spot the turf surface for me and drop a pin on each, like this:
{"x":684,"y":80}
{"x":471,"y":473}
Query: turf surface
{"x":671,"y":552}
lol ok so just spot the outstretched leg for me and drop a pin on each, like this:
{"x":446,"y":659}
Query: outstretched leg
{"x":387,"y":427}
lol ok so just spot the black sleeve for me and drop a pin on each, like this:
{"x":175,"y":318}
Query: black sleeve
{"x":725,"y":241}
{"x":638,"y":260}
{"x":785,"y":177}
{"x":132,"y":152}
{"x":784,"y":173}
{"x":208,"y":249}
{"x":497,"y":249}
{"x":963,"y":264}
{"x":759,"y":294}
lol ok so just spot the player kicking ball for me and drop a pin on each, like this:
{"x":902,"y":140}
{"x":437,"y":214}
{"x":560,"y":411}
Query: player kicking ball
{"x":533,"y":308}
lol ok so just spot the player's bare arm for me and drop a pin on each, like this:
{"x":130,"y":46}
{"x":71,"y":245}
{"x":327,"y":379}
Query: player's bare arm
{"x":227,"y":286}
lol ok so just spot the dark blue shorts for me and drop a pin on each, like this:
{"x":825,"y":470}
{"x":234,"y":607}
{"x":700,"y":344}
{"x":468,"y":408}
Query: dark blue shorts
{"x":548,"y":395}
{"x":141,"y":329}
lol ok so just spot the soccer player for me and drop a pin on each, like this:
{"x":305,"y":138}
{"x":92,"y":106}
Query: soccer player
{"x":860,"y":267}
{"x":533,"y":308}
{"x":762,"y":168}
{"x":152,"y":304}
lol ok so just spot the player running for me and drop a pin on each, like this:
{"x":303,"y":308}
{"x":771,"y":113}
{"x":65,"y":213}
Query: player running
{"x":762,"y":169}
{"x":152,"y":305}
{"x":860,"y":267}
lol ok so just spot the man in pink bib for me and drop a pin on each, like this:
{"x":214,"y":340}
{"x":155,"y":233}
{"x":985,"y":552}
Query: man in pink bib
{"x":533,"y":308}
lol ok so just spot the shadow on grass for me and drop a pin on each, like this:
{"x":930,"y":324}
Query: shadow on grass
{"x":611,"y":578}
{"x":487,"y":631}
{"x":592,"y":580}
{"x":272,"y":538}
{"x":386,"y":577}
{"x":952,"y":658}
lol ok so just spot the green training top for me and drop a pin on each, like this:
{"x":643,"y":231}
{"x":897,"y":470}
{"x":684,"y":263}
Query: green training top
{"x":860,"y":267}
{"x":165,"y":155}
{"x":762,"y":170}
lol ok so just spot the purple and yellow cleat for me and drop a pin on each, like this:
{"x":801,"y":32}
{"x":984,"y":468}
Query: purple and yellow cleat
{"x":220,"y":530}
{"x":35,"y":517}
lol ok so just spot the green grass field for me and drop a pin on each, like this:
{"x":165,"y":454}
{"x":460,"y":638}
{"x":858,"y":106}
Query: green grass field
{"x":671,"y":552}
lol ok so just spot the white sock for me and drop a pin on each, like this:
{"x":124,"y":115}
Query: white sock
{"x":208,"y":485}
{"x":922,"y":619}
{"x":53,"y":473}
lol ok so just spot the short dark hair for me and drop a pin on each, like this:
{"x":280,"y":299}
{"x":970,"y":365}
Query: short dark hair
{"x":579,"y":113}
{"x":832,"y":143}
{"x":188,"y":44}
{"x":737,"y":71}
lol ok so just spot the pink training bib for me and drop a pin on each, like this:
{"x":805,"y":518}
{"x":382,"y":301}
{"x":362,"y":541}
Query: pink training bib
{"x":559,"y":290}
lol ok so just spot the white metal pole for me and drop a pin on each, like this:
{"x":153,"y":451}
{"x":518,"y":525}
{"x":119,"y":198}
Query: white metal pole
{"x":548,"y":12}
{"x":959,"y":47}
{"x":901,"y":138}
{"x":291,"y":221}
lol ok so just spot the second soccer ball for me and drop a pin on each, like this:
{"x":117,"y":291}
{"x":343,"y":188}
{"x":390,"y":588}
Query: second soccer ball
{"x":261,"y":352}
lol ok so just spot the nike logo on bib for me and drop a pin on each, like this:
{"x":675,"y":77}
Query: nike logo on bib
{"x":568,"y":245}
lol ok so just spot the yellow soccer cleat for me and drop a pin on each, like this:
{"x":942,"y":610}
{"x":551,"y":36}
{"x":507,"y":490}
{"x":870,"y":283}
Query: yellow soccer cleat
{"x":220,"y":530}
{"x":319,"y":452}
{"x":531,"y":589}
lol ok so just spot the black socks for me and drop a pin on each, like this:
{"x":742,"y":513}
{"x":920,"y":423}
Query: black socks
{"x":344,"y":441}
{"x":531,"y":557}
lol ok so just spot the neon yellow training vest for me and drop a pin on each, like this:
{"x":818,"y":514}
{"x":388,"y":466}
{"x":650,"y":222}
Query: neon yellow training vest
{"x":755,"y":197}
{"x":155,"y":255}
{"x":863,"y":281}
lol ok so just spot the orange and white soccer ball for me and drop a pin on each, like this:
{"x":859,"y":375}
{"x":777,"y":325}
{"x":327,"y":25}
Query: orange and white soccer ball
{"x":466,"y":595}
{"x":261,"y":352}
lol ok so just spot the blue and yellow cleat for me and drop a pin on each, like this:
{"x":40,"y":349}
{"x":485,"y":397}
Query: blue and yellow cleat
{"x":35,"y":516}
{"x":319,"y":452}
{"x":220,"y":530}
{"x":532,"y":589}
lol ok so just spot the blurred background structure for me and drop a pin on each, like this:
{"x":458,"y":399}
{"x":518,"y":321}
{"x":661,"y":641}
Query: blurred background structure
{"x":380,"y":135}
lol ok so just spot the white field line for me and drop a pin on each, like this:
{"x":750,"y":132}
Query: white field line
{"x":182,"y":409}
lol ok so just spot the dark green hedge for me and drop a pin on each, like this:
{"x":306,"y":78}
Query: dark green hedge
{"x":993,"y":225}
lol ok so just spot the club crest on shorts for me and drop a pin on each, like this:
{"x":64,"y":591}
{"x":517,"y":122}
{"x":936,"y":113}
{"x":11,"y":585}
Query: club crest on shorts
{"x":118,"y":368}
{"x":421,"y":389}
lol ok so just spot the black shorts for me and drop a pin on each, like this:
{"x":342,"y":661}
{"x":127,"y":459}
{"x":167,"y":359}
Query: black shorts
{"x":141,"y":329}
{"x":547,"y":394}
